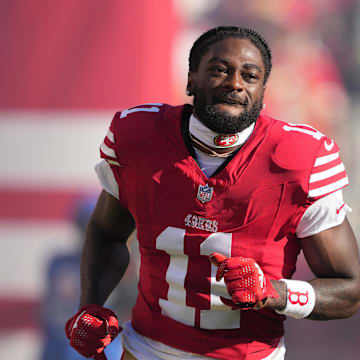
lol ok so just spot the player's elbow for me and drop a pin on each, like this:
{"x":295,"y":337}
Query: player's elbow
{"x":354,"y":297}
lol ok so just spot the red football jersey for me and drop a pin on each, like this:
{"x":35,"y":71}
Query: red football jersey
{"x":250,"y":207}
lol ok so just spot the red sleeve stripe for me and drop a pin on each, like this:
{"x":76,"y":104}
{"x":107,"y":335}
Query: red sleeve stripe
{"x":107,"y":151}
{"x":327,"y":189}
{"x":321,"y":160}
{"x":110,"y":161}
{"x":327,"y":173}
{"x":108,"y":143}
{"x":326,"y":166}
{"x":327,"y":181}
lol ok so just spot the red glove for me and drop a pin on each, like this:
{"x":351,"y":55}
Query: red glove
{"x":91,"y":329}
{"x":245,"y":281}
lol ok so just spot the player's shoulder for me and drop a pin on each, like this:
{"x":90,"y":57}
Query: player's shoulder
{"x":298,"y":146}
{"x":298,"y":132}
{"x":138,"y":124}
{"x":144,"y":113}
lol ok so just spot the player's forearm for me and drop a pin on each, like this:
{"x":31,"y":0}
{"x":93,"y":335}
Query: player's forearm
{"x":104,"y":262}
{"x":334,"y":298}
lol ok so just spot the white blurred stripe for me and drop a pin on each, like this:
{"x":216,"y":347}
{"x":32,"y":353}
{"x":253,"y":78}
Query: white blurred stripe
{"x":328,"y":188}
{"x":110,"y":136}
{"x":326,"y":159}
{"x":327,"y":173}
{"x":51,"y":149}
{"x":30,"y":245}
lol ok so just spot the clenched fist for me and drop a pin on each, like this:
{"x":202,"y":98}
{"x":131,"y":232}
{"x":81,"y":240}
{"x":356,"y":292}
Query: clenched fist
{"x":91,"y":329}
{"x":245,"y":281}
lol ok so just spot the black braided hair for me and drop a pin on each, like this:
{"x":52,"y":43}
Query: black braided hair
{"x":203,"y":43}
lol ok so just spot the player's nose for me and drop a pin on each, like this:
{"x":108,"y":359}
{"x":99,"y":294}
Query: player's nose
{"x":235,"y":81}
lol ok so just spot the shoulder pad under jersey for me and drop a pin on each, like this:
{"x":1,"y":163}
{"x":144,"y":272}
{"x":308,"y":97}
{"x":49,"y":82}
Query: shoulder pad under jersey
{"x":298,"y":146}
{"x":133,"y":125}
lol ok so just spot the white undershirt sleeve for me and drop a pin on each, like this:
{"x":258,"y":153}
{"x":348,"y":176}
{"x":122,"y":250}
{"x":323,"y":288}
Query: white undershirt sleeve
{"x":107,"y":178}
{"x":327,"y":212}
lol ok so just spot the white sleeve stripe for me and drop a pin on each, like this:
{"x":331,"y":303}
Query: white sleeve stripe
{"x":327,"y":173}
{"x":107,"y":151}
{"x":326,"y":159}
{"x":328,"y":188}
{"x":110,"y":136}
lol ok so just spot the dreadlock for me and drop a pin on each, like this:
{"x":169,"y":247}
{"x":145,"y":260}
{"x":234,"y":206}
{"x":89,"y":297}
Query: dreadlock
{"x":203,"y":43}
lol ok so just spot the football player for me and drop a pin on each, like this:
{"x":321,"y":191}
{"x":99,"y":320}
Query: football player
{"x":223,"y":199}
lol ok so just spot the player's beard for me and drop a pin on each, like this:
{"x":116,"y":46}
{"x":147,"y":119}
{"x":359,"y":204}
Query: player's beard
{"x":222,"y":122}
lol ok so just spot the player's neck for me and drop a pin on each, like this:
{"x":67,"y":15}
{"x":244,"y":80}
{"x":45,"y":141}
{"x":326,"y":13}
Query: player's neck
{"x":215,"y":144}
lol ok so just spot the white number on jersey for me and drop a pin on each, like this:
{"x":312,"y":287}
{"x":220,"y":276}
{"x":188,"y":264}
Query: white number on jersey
{"x":305,"y":129}
{"x":155,"y":107}
{"x":220,"y":316}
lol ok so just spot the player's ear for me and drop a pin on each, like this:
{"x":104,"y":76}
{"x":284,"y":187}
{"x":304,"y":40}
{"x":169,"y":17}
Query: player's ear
{"x":263,"y":93}
{"x":189,"y":86}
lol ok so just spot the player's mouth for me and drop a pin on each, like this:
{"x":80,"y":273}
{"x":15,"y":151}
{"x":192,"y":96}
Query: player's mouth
{"x":231,"y":101}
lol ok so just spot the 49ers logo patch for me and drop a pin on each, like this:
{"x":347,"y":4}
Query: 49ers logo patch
{"x":201,"y":223}
{"x":225,"y":141}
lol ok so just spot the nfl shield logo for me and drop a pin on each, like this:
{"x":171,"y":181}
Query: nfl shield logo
{"x":204,"y":193}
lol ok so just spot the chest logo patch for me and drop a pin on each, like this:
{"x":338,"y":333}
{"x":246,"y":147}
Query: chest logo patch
{"x":205,"y":193}
{"x":225,"y":140}
{"x":201,"y":223}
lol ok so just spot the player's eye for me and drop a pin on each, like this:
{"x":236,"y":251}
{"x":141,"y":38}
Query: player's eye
{"x":218,"y":70}
{"x":250,"y":77}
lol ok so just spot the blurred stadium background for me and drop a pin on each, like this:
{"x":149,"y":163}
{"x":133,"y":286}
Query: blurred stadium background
{"x":67,"y":66}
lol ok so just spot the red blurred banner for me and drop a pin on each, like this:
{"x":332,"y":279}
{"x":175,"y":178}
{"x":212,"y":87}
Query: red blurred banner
{"x":66,"y":54}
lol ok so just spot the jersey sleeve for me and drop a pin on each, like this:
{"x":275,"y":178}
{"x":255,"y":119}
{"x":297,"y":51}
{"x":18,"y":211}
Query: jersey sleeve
{"x":106,"y":168}
{"x":127,"y":130}
{"x":107,"y":148}
{"x":323,"y":214}
{"x":326,"y":205}
{"x":328,"y":174}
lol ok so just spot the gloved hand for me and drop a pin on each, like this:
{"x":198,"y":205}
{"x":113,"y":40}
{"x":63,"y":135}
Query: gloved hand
{"x":91,"y":329}
{"x":245,"y":281}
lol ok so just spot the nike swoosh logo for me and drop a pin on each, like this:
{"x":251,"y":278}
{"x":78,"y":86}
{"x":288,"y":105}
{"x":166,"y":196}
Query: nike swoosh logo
{"x":328,"y":147}
{"x":339,"y":209}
